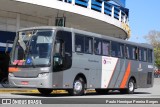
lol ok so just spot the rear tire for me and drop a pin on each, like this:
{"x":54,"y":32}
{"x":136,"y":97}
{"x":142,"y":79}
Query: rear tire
{"x":44,"y":91}
{"x":130,"y":87}
{"x":78,"y":87}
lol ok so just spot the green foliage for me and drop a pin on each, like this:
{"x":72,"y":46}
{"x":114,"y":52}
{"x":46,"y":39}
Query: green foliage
{"x":157,"y":56}
{"x":153,"y":38}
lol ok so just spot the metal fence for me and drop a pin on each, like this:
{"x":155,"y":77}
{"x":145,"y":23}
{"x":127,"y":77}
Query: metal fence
{"x":102,"y":6}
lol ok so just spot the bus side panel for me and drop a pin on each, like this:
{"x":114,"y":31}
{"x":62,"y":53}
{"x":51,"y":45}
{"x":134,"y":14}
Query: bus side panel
{"x":130,"y":70}
{"x":138,"y":70}
{"x":87,"y":65}
{"x":134,"y":72}
{"x":119,"y":78}
{"x":145,"y":75}
{"x":109,"y":66}
{"x":58,"y":79}
{"x":118,"y":74}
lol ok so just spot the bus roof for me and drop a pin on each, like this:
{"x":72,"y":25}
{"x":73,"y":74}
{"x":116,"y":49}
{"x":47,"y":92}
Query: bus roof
{"x":91,"y":34}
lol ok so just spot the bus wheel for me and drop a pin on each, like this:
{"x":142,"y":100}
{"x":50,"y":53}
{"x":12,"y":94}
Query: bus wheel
{"x":44,"y":91}
{"x":130,"y":88}
{"x":78,"y":87}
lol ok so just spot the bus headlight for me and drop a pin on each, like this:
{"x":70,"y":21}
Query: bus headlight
{"x":11,"y":74}
{"x":43,"y":75}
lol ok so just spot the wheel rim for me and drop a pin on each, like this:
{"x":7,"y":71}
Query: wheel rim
{"x":77,"y":86}
{"x":131,"y":86}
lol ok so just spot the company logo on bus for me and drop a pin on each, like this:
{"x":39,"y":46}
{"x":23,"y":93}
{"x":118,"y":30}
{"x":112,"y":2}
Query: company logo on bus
{"x":104,"y":61}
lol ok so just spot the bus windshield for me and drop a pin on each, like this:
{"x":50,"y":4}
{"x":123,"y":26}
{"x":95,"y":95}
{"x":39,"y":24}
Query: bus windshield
{"x":33,"y":48}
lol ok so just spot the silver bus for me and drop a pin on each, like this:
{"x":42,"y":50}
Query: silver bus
{"x":53,"y":58}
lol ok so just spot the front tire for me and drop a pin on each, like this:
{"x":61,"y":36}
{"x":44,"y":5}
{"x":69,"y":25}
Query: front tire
{"x":44,"y":91}
{"x":78,"y":87}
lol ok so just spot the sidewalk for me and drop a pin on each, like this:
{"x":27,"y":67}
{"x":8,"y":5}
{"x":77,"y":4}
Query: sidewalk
{"x":25,"y":90}
{"x":17,"y":90}
{"x":32,"y":90}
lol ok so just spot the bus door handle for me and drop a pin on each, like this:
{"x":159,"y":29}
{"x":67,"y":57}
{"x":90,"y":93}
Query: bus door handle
{"x":87,"y":69}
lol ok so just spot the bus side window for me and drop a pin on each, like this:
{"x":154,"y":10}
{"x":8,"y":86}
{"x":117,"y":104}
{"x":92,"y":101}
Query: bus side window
{"x":150,"y":56}
{"x":117,"y":50}
{"x":97,"y":46}
{"x":64,"y":48}
{"x":131,"y":52}
{"x":140,"y":54}
{"x":145,"y":55}
{"x":79,"y":43}
{"x":127,"y":52}
{"x":114,"y":49}
{"x":106,"y":48}
{"x":136,"y":53}
{"x":121,"y":51}
{"x":88,"y":45}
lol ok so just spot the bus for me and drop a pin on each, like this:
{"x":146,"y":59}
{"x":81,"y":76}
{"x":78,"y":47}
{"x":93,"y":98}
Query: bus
{"x":53,"y":58}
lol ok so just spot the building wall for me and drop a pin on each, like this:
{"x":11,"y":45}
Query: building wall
{"x":10,"y":21}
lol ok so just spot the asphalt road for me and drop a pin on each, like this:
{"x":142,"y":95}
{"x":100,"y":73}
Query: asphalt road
{"x":153,"y":92}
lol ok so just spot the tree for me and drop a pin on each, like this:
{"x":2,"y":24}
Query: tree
{"x":153,"y":37}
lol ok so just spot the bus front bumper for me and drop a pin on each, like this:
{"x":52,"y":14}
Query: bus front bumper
{"x":39,"y":82}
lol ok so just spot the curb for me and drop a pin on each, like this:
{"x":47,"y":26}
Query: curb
{"x":17,"y":91}
{"x":35,"y":91}
{"x":29,"y":91}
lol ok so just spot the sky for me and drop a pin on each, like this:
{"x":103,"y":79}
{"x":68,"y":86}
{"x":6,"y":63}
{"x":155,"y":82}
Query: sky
{"x":144,"y":16}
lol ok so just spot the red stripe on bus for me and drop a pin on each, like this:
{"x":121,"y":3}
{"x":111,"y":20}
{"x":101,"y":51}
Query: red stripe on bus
{"x":126,"y":75}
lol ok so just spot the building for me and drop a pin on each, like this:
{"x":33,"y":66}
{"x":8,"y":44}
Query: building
{"x":108,"y":17}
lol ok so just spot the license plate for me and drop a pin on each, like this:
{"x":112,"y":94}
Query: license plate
{"x":24,"y":82}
